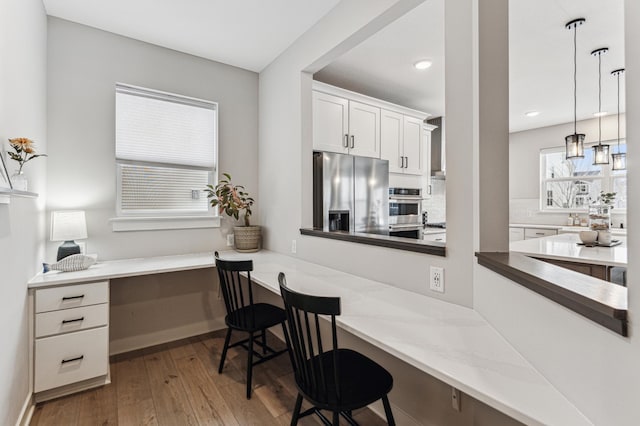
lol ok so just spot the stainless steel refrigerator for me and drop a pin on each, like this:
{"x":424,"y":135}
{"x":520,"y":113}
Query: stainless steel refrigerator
{"x":350,"y":193}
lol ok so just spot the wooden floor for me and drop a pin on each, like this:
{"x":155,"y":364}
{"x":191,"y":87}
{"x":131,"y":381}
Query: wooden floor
{"x":178,"y":384}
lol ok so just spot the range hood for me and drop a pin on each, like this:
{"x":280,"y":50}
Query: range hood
{"x":438,"y":157}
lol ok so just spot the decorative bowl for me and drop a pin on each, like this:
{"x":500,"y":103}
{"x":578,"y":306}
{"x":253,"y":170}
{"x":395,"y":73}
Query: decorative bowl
{"x":588,"y":237}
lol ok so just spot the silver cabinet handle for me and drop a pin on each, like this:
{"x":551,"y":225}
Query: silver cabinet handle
{"x":401,"y":162}
{"x":406,"y":165}
{"x":346,"y":141}
{"x":353,"y":141}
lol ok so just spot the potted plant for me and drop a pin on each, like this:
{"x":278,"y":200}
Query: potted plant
{"x":232,"y":200}
{"x":24,"y":152}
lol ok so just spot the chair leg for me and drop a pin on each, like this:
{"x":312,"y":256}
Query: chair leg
{"x":296,"y":411}
{"x":387,"y":411}
{"x":336,"y":418}
{"x":264,"y":341}
{"x":249,"y":365}
{"x":224,"y":350}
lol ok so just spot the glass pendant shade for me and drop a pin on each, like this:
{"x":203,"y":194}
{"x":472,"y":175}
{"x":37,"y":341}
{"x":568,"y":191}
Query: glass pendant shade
{"x":601,"y":154}
{"x":619,"y":161}
{"x":574,"y":146}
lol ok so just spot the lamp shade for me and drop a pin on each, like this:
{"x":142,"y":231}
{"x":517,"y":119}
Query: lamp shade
{"x":68,"y":226}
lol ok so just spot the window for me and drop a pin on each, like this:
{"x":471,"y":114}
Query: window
{"x":166,"y":153}
{"x":574,"y":184}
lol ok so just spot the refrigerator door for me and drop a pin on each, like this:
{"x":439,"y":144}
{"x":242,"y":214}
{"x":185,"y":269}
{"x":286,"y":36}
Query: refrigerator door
{"x":371,"y":214}
{"x":337,"y":183}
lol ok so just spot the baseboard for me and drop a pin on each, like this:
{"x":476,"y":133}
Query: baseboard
{"x":133,"y":343}
{"x":400,"y":416}
{"x":27,"y":411}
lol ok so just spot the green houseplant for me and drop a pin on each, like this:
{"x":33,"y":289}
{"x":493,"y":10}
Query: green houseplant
{"x":233,"y":200}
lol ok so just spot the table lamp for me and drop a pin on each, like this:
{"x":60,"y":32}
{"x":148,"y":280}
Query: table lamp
{"x":68,"y":226}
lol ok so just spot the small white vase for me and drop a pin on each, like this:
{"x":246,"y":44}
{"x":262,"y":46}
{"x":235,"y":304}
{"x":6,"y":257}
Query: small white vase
{"x":19,"y":181}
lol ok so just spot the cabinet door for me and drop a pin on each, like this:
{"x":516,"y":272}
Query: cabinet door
{"x":330,"y":123}
{"x":364,"y":130}
{"x":391,"y":128}
{"x":530,"y":233}
{"x":516,"y":234}
{"x":413,"y":145}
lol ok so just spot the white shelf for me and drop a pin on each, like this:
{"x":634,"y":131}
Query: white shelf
{"x":6,"y":194}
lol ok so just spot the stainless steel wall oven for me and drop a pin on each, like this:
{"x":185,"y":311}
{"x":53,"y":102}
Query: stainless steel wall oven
{"x":405,"y":212}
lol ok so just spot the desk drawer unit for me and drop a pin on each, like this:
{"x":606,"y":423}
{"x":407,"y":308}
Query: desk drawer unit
{"x":72,"y":296}
{"x":69,"y":358}
{"x":69,"y":320}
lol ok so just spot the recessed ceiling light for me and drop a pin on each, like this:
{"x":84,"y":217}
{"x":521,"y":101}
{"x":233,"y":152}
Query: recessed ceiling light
{"x":422,"y":65}
{"x":600,"y":114}
{"x":532,"y":113}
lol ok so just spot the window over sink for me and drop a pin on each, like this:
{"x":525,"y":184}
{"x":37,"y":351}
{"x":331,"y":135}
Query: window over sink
{"x":571,"y":185}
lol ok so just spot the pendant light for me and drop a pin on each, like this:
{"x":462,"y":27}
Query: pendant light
{"x":619,"y":159}
{"x":575,"y":142}
{"x":600,"y":151}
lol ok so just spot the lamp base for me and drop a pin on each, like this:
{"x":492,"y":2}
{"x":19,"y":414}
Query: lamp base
{"x":67,"y":249}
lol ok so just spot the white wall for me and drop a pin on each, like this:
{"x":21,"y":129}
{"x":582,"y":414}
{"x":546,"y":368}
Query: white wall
{"x":83,"y":66}
{"x":285,"y":157}
{"x":23,"y":28}
{"x":524,"y":166}
{"x":593,"y":367}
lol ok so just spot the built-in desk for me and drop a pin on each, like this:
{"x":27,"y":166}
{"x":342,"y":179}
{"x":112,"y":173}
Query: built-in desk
{"x":449,"y":342}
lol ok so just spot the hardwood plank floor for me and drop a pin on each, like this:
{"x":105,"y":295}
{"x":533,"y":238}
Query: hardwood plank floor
{"x":178,"y":384}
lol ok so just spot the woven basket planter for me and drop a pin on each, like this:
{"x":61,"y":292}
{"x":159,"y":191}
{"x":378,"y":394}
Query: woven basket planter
{"x":247,"y":238}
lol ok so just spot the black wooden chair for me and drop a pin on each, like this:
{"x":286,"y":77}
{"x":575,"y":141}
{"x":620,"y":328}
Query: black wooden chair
{"x":245,"y":316}
{"x":337,"y":380}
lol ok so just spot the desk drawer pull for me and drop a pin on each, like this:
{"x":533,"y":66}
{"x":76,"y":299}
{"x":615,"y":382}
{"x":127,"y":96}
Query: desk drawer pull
{"x":72,"y":297}
{"x":78,"y":358}
{"x":72,"y":320}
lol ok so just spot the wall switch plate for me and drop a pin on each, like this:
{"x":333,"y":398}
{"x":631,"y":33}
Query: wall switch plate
{"x":230,"y":240}
{"x":294,"y":246}
{"x":436,"y":279}
{"x":455,"y":399}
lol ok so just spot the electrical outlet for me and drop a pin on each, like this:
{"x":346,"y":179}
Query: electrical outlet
{"x":230,"y":240}
{"x":455,"y":399}
{"x":436,"y":279}
{"x":294,"y":246}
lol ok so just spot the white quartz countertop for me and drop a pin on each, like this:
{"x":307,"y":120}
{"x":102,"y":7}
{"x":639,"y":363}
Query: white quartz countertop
{"x":565,"y":247}
{"x":447,"y":341}
{"x":450,"y":342}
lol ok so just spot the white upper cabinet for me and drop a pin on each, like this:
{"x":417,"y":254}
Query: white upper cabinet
{"x":351,"y":123}
{"x":391,"y":137}
{"x":364,"y":130}
{"x":330,"y":123}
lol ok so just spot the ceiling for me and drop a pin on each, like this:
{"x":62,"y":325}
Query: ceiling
{"x":248,"y":34}
{"x":251,"y":33}
{"x":540,"y":60}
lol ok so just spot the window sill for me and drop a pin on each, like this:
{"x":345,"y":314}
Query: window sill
{"x":597,"y":300}
{"x":127,"y":224}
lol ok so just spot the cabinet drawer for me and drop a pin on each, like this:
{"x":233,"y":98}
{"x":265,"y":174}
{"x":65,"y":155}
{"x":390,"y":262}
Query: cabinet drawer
{"x":538,"y":232}
{"x":440,"y":237}
{"x":69,"y":358}
{"x":72,"y":296}
{"x":516,"y":234}
{"x":74,"y":319}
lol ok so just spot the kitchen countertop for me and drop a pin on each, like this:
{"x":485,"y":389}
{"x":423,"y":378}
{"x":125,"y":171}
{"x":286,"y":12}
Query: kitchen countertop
{"x":565,"y":247}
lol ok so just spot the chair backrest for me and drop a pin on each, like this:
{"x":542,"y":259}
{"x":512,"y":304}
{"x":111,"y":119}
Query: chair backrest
{"x":304,"y":340}
{"x":236,"y":294}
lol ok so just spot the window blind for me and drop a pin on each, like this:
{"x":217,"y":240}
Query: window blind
{"x":163,"y":128}
{"x":144,"y":189}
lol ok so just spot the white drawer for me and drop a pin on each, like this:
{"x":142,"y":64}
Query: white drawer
{"x":71,"y":296}
{"x":66,"y":320}
{"x":516,"y":234}
{"x":69,"y":358}
{"x":538,"y":232}
{"x":440,"y":237}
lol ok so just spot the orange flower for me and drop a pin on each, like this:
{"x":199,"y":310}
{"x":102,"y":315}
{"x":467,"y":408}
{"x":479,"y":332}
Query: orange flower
{"x":29,"y":150}
{"x":22,"y":143}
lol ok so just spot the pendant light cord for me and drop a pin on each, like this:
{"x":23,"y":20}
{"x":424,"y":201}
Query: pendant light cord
{"x":575,"y":80}
{"x":618,"y":76}
{"x":599,"y":98}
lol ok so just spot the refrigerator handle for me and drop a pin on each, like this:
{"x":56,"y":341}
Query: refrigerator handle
{"x":346,"y":140}
{"x":353,"y":143}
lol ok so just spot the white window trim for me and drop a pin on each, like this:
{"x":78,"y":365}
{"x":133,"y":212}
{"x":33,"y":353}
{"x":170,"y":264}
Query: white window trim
{"x":125,"y":222}
{"x":606,"y":177}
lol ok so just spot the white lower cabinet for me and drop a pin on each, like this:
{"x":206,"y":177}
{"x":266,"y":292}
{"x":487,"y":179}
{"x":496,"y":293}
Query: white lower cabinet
{"x":71,"y":338}
{"x":518,"y":233}
{"x":70,"y":358}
